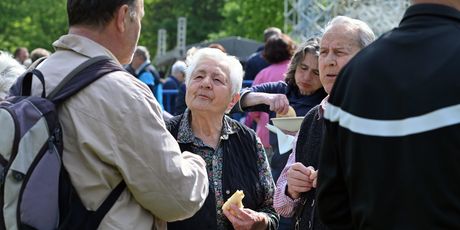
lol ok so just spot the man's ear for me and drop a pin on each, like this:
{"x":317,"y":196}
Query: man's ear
{"x":232,"y":103}
{"x":121,"y":17}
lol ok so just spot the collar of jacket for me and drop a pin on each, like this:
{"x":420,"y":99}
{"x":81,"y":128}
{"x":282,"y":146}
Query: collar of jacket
{"x":433,"y":10}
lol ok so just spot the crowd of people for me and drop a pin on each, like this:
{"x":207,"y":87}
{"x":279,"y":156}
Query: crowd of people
{"x":377,"y":148}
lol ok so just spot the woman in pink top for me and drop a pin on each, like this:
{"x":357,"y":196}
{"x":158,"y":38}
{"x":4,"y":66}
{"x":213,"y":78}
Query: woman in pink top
{"x":278,"y":51}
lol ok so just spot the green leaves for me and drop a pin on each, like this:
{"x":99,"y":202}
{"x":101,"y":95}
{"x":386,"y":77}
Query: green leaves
{"x":39,"y":23}
{"x":31,"y":23}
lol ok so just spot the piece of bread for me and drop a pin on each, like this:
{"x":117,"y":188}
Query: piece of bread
{"x":236,"y":198}
{"x":290,"y":113}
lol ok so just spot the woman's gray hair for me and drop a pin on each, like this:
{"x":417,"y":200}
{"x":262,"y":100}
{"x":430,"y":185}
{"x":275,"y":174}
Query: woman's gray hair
{"x":10,"y":70}
{"x":365,"y":34}
{"x":234,"y":67}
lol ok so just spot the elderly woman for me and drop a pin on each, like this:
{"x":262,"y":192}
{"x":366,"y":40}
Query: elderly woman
{"x":234,"y":155}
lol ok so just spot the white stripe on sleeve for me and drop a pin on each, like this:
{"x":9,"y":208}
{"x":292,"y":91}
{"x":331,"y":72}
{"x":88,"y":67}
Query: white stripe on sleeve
{"x":394,"y":128}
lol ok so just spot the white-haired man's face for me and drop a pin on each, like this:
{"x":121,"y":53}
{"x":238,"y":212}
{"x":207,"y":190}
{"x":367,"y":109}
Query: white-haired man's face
{"x":338,"y":45}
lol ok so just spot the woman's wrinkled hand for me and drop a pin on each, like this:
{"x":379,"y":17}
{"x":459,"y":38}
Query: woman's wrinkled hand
{"x":246,"y":219}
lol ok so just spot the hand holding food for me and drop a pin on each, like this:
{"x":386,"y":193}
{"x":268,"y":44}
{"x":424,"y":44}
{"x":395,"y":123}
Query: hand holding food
{"x":278,"y":103}
{"x":236,"y":198}
{"x":291,"y":113}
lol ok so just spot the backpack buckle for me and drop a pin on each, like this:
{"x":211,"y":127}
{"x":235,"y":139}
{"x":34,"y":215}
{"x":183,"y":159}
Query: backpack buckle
{"x":18,"y":176}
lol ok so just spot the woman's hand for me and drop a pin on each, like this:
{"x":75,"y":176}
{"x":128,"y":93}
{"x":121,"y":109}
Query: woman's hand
{"x":300,"y":179}
{"x":246,"y":219}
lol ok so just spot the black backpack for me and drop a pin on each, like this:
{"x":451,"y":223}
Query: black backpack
{"x":35,"y":188}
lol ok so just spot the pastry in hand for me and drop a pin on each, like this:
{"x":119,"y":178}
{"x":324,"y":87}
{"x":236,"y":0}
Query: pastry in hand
{"x":290,"y":113}
{"x":236,"y":198}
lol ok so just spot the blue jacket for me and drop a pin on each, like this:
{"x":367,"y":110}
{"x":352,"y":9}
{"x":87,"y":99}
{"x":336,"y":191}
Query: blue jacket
{"x":301,"y":103}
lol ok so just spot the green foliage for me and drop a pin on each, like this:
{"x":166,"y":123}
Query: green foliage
{"x":249,"y":18}
{"x":203,"y":18}
{"x":31,"y":24}
{"x":210,"y":19}
{"x":38,"y":23}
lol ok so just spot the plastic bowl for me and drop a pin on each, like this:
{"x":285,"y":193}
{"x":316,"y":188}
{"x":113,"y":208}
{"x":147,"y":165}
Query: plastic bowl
{"x":291,"y":124}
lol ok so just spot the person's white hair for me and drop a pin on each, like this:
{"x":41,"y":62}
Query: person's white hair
{"x":365,"y":34}
{"x":178,"y":67}
{"x":235,"y":70}
{"x":10,"y":70}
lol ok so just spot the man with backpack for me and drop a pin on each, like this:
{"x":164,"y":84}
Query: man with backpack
{"x":113,"y":129}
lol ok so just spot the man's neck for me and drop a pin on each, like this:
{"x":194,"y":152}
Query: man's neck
{"x":104,"y":37}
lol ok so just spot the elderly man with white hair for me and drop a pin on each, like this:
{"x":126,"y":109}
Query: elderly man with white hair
{"x":10,"y":70}
{"x":390,"y":159}
{"x":174,"y":81}
{"x":342,"y":39}
{"x":177,"y":75}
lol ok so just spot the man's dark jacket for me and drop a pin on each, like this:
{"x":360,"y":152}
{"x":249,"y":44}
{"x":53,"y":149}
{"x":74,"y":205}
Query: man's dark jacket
{"x":391,"y":155}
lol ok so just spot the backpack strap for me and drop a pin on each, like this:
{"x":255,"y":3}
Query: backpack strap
{"x":23,"y":86}
{"x":25,"y":82}
{"x":100,"y":213}
{"x":83,"y":75}
{"x":78,"y":217}
{"x":36,"y":63}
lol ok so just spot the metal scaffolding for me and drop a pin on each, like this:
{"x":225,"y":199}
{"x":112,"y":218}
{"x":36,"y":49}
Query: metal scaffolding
{"x":306,"y":18}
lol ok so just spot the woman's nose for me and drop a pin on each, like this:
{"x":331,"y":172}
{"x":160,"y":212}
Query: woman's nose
{"x":206,"y":82}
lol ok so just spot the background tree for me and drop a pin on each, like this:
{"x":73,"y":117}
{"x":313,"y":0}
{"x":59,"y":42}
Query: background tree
{"x":31,"y":23}
{"x":250,"y":18}
{"x":38,"y":23}
{"x":203,"y":17}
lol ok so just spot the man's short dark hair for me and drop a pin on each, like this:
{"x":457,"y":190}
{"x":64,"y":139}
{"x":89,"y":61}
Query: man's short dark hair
{"x":94,"y":12}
